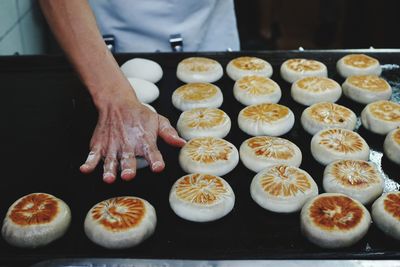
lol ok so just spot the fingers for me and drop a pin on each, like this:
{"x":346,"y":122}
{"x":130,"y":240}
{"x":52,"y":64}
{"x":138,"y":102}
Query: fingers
{"x":91,"y":161}
{"x":153,"y":155}
{"x":128,"y":166}
{"x":110,"y":169}
{"x":168,"y":133}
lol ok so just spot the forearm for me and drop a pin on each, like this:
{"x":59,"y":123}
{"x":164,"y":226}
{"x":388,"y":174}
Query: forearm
{"x":74,"y":26}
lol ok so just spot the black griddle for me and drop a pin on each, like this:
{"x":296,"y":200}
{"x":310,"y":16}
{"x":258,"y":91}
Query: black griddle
{"x":48,"y":119}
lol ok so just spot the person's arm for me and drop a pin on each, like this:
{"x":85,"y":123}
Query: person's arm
{"x":125,"y":128}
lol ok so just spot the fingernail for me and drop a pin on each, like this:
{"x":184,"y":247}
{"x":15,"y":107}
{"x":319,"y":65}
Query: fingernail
{"x":156,"y":165}
{"x":108,"y":177}
{"x":127,"y":172}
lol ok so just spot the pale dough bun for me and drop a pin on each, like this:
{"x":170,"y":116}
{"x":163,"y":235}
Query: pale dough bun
{"x":199,"y":70}
{"x":247,"y":66}
{"x":201,"y":197}
{"x":197,"y":95}
{"x":266,"y":119}
{"x":202,"y":122}
{"x":334,"y":220}
{"x":358,"y":179}
{"x":358,"y":64}
{"x":391,"y":146}
{"x":208,"y":155}
{"x":327,"y":115}
{"x":250,"y":90}
{"x":261,"y":152}
{"x":333,"y":144}
{"x":120,"y":222}
{"x":298,"y":68}
{"x":311,"y":90}
{"x":142,"y":68}
{"x":385,"y":214}
{"x":145,"y":91}
{"x":283,"y":188}
{"x":366,"y":89}
{"x":381,"y":117}
{"x":36,"y":220}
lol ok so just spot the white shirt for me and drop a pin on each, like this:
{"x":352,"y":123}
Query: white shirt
{"x":146,"y":25}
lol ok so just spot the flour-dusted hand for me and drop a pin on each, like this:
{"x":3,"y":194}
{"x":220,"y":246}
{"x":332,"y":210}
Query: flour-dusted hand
{"x":125,"y":130}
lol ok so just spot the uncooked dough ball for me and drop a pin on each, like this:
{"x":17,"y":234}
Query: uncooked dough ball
{"x":334,"y":220}
{"x":283,"y":188}
{"x":199,"y":70}
{"x":311,"y":90}
{"x":202,"y":122}
{"x":142,"y":68}
{"x":120,"y":222}
{"x":197,"y":95}
{"x":358,"y":179}
{"x":36,"y":220}
{"x":261,"y":152}
{"x":201,"y":197}
{"x":366,"y":89}
{"x":208,"y":155}
{"x":266,"y":119}
{"x":327,"y":115}
{"x":386,"y":214}
{"x":298,"y":68}
{"x":391,"y":146}
{"x":250,"y":90}
{"x":248,"y":66}
{"x":358,"y":64}
{"x":333,"y":144}
{"x":381,"y":117}
{"x":145,"y":91}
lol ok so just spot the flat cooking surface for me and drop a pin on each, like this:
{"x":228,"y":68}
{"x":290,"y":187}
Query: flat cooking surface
{"x":47,"y":127}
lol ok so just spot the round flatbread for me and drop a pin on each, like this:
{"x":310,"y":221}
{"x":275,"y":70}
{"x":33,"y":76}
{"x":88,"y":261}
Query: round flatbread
{"x":120,"y":222}
{"x":142,"y":68}
{"x":386,"y":214}
{"x":201,"y":197}
{"x":391,"y":146}
{"x":283,"y":188}
{"x":261,"y":152}
{"x":334,"y":220}
{"x":311,"y":90}
{"x":381,"y":117}
{"x":366,"y":89}
{"x":358,"y":64}
{"x":208,"y":155}
{"x":199,"y":70}
{"x":202,"y":122}
{"x":327,"y":115}
{"x":333,"y":144}
{"x":36,"y":220}
{"x":298,"y":68}
{"x":197,"y":95}
{"x":250,"y":90}
{"x":358,"y":179}
{"x":248,"y":66}
{"x":145,"y":91}
{"x":266,"y":119}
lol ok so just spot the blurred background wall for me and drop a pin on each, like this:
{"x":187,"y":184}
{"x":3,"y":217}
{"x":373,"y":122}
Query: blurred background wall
{"x":262,"y":24}
{"x":22,"y":29}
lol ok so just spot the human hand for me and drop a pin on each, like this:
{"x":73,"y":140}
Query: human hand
{"x":126,"y":129}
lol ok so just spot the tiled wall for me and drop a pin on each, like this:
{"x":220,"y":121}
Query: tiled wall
{"x":21,"y":28}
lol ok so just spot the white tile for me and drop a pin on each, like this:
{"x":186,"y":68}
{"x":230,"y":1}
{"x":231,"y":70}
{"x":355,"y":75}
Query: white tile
{"x":8,"y":15}
{"x":32,"y":35}
{"x":11,"y":44}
